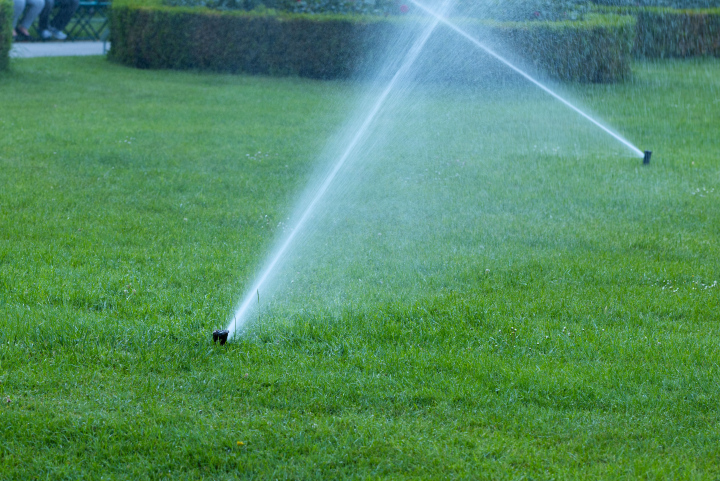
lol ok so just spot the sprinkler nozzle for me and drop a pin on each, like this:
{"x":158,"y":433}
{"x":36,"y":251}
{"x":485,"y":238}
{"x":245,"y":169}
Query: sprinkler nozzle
{"x":221,"y":336}
{"x":646,"y":159}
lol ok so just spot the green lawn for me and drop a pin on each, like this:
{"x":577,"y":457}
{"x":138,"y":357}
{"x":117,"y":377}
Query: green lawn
{"x":499,"y":292}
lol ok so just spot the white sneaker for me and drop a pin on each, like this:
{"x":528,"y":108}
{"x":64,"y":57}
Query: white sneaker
{"x":46,"y":34}
{"x":57,"y":34}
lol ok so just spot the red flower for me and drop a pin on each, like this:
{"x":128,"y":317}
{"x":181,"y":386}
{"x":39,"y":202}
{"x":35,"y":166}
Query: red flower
{"x":404,"y":9}
{"x":537,"y":14}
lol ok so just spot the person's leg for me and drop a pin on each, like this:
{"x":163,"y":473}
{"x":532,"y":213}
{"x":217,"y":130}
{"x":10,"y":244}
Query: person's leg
{"x":44,"y":19}
{"x":33,"y":10}
{"x":66,"y":10}
{"x":18,"y":9}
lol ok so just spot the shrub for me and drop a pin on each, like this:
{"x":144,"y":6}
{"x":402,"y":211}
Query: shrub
{"x":319,"y":47}
{"x":6,"y":12}
{"x":339,"y":46}
{"x":678,"y":33}
{"x":523,"y":10}
{"x":667,"y":32}
{"x":596,"y":50}
{"x":680,"y":4}
{"x":503,"y":10}
{"x":364,"y":7}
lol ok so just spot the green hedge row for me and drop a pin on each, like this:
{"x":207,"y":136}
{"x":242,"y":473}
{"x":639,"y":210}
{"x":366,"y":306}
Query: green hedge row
{"x":6,"y":13}
{"x":147,"y":37}
{"x":364,"y":7}
{"x":325,"y":46}
{"x":674,"y":33}
{"x":598,"y":49}
{"x":678,"y":33}
{"x":679,"y":4}
{"x":501,"y":10}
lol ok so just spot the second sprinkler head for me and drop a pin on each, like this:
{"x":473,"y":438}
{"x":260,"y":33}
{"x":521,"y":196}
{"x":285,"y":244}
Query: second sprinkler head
{"x":221,"y":336}
{"x":646,"y":159}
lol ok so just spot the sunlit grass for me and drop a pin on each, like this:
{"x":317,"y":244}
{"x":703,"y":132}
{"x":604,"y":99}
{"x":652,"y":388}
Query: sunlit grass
{"x":567,"y":327}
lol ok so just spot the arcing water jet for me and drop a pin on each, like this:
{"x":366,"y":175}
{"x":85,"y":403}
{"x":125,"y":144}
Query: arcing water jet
{"x":240,"y":316}
{"x":356,"y":141}
{"x":441,"y":18}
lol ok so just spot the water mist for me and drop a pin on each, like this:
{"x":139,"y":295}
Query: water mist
{"x":400,"y":184}
{"x":438,"y":16}
{"x":240,"y":317}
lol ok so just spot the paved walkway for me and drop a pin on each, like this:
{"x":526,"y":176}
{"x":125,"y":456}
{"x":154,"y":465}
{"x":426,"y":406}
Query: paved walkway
{"x":58,"y":49}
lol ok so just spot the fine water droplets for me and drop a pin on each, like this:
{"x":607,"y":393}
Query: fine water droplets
{"x":695,"y":285}
{"x":259,"y":156}
{"x":702,"y":192}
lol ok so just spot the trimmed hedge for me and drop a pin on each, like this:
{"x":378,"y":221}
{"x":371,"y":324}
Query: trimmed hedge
{"x":327,"y":47}
{"x":6,"y":14}
{"x":598,"y":49}
{"x":240,"y":42}
{"x":501,"y":10}
{"x":678,"y":33}
{"x":679,"y":4}
{"x":673,"y":33}
{"x":365,"y":7}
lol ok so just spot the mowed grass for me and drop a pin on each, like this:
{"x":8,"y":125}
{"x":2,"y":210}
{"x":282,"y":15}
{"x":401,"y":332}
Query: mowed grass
{"x":135,"y":207}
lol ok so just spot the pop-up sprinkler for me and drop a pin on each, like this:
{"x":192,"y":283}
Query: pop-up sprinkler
{"x":221,"y":336}
{"x":646,"y":159}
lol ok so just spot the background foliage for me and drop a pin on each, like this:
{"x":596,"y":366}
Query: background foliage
{"x":489,"y":9}
{"x":301,"y":6}
{"x":6,"y":11}
{"x":665,"y":33}
{"x":597,"y":49}
{"x":661,"y":3}
{"x":669,"y":32}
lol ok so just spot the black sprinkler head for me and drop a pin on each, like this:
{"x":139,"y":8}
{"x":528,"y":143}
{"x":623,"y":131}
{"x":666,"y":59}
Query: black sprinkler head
{"x":646,"y":159}
{"x":221,"y":336}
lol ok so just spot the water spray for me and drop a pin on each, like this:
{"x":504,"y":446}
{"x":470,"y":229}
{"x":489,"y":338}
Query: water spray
{"x":439,"y":17}
{"x":240,"y":316}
